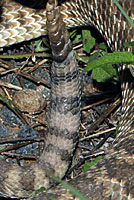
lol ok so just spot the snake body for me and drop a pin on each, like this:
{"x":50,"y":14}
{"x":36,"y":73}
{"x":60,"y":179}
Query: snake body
{"x":112,"y":178}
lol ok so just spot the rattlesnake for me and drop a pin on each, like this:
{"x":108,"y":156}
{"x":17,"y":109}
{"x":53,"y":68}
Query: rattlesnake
{"x":112,"y":177}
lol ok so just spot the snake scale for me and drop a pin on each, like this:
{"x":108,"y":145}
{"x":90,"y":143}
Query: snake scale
{"x":113,"y":177}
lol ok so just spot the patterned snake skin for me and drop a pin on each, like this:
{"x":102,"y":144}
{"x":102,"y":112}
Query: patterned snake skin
{"x":112,"y":178}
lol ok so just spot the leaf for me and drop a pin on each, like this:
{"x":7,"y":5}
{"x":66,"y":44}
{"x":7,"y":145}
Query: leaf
{"x":94,"y":57}
{"x":74,"y":35}
{"x":88,"y":165}
{"x":42,"y":189}
{"x":116,"y":57}
{"x":129,"y":44}
{"x":88,"y":41}
{"x":103,"y":46}
{"x":103,"y":74}
{"x":38,"y":45}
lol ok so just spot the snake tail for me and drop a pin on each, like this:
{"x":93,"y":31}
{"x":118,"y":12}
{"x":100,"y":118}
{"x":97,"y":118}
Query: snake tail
{"x":112,"y":178}
{"x":63,"y":119}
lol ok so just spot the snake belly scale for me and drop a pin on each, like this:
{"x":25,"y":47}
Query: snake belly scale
{"x":113,"y":177}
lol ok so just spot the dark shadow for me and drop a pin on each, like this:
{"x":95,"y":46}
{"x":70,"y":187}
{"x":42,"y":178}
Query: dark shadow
{"x":40,"y":4}
{"x":37,"y":4}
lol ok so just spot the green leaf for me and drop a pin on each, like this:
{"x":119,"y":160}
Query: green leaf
{"x":103,"y":74}
{"x":103,"y":46}
{"x":74,"y":35}
{"x":111,"y":58}
{"x":94,"y":57}
{"x":88,"y":165}
{"x":129,"y":44}
{"x":42,"y":189}
{"x":38,"y":45}
{"x":46,"y":42}
{"x":39,"y":48}
{"x":88,"y":41}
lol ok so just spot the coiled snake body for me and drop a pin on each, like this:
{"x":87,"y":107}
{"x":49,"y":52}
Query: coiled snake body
{"x":113,"y":177}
